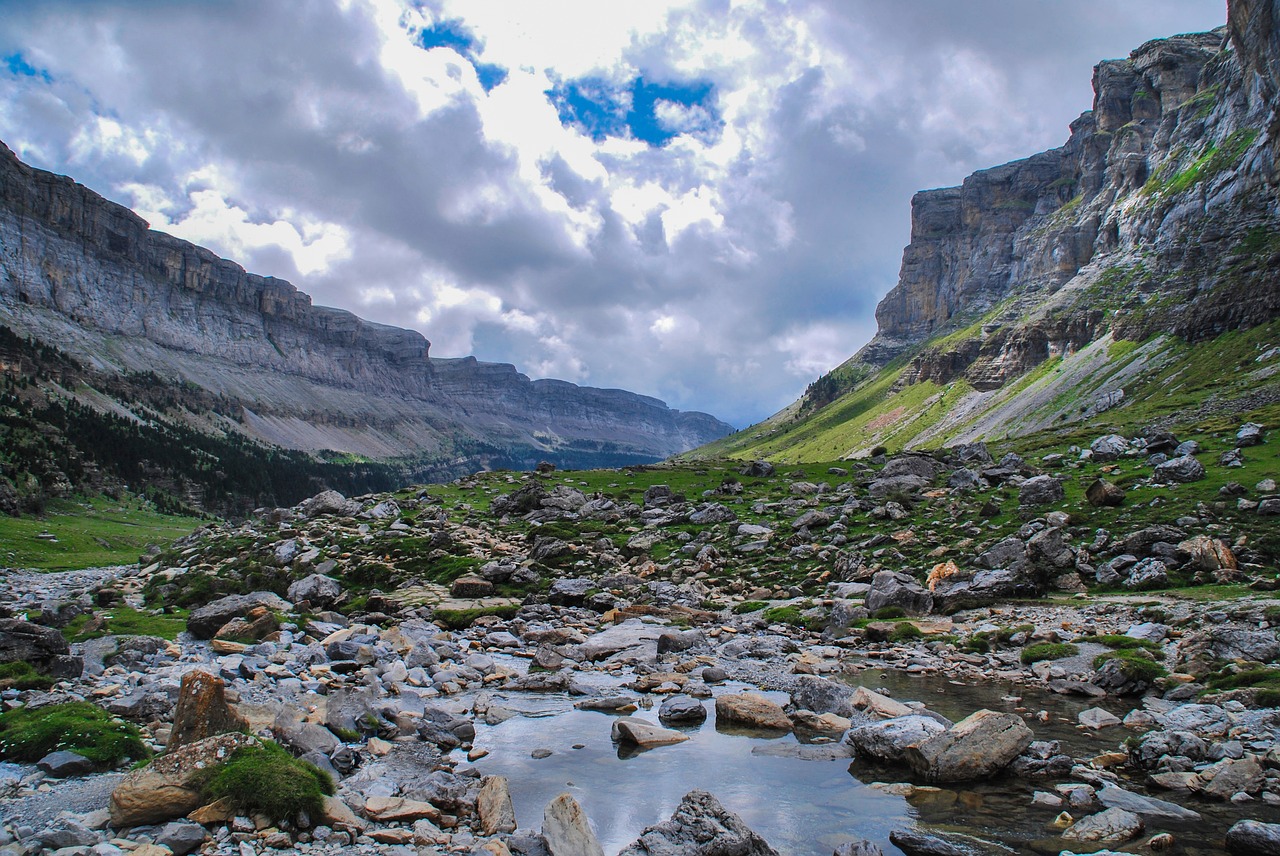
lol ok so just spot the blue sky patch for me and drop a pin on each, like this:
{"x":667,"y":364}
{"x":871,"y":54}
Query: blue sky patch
{"x":655,"y":113}
{"x":18,"y":66}
{"x":453,"y":34}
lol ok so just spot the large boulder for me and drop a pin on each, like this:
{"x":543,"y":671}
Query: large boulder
{"x":700,"y":826}
{"x":494,"y":807}
{"x":33,"y":643}
{"x":983,"y":587}
{"x":888,"y":487}
{"x":329,"y":502}
{"x":638,"y":732}
{"x":908,"y":464}
{"x":206,"y":621}
{"x":889,"y":739}
{"x":1102,"y":493}
{"x":751,"y":710}
{"x":318,"y":590}
{"x":977,"y":747}
{"x":821,"y":696}
{"x":566,"y":830}
{"x":1179,"y":470}
{"x":1040,"y":490}
{"x":1113,"y":826}
{"x":164,"y":789}
{"x":202,"y":710}
{"x":901,"y":590}
{"x":1254,"y":838}
{"x":1109,"y":447}
{"x":1250,"y":434}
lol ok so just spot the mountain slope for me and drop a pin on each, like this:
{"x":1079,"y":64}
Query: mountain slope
{"x":87,"y":277}
{"x":1116,"y":274}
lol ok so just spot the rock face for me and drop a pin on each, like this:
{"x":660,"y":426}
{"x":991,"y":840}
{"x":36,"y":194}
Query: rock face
{"x":88,"y":275}
{"x":700,"y":826}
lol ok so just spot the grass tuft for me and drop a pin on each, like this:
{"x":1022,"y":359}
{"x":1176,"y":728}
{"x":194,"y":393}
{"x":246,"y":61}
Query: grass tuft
{"x":267,"y":780}
{"x":1047,"y":651}
{"x":80,"y":727}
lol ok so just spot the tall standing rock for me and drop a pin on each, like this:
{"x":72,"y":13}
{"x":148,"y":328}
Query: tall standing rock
{"x":202,"y":710}
{"x":700,"y":826}
{"x":566,"y":830}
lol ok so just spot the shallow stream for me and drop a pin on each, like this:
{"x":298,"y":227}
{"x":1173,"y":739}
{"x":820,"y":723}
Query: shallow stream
{"x":802,"y":807}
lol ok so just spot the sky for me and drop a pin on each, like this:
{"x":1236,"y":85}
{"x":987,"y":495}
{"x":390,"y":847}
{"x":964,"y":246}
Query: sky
{"x":700,"y":200}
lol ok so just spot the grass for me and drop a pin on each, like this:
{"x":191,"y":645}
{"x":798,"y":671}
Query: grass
{"x":20,"y":675}
{"x":265,"y":779}
{"x":1120,"y":642}
{"x":1261,"y":678}
{"x":90,"y":533}
{"x":126,"y":621}
{"x":460,"y":619}
{"x":80,"y":727}
{"x":749,"y":606}
{"x":1047,"y":651}
{"x":905,"y":632}
{"x":1135,"y":664}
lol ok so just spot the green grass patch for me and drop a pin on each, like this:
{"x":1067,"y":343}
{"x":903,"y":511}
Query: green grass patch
{"x":886,"y":613}
{"x":461,"y":619}
{"x":267,"y":780}
{"x":1135,"y":664}
{"x":1263,"y":678}
{"x":80,"y":727}
{"x":749,"y":606}
{"x":1120,"y":642}
{"x":904,"y":632}
{"x":1047,"y":651}
{"x":89,"y":533}
{"x":21,"y":675}
{"x":127,"y":621}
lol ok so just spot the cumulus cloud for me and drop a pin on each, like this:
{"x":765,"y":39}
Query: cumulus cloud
{"x":700,"y":200}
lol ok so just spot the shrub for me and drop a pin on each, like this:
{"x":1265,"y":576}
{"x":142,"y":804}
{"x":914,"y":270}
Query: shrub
{"x":83,"y":728}
{"x":265,"y":779}
{"x":1047,"y":651}
{"x":749,"y":606}
{"x":888,"y":612}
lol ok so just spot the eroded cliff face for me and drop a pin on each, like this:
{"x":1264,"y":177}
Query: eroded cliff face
{"x":1159,"y":214}
{"x":89,"y":277}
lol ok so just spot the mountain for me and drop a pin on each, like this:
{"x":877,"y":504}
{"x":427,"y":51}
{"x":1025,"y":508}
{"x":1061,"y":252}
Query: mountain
{"x":134,"y":332}
{"x":1131,"y":275}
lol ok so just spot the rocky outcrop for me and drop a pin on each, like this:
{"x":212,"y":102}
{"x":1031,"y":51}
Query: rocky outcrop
{"x":89,"y":276}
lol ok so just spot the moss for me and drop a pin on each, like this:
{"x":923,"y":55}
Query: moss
{"x":784,"y":615}
{"x":126,"y":621}
{"x":460,"y":619}
{"x":888,"y":612}
{"x":1135,"y":664}
{"x":1047,"y":651}
{"x":1121,"y":643}
{"x":1258,"y":677}
{"x":267,"y":780}
{"x":1004,"y":634}
{"x":749,"y":606}
{"x":20,"y":675}
{"x":904,"y":632}
{"x":83,"y":728}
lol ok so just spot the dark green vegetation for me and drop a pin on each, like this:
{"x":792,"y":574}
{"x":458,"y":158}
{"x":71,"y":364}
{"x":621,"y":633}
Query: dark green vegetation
{"x":19,"y":675}
{"x":83,"y":728}
{"x":1047,"y":651}
{"x":458,"y":619}
{"x":1135,"y":664}
{"x":265,"y":779}
{"x":126,"y":621}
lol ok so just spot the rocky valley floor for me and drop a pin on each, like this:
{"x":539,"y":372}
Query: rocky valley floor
{"x":1066,"y":650}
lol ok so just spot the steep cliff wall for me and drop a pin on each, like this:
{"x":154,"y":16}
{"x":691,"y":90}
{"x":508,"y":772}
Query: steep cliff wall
{"x":89,"y":277}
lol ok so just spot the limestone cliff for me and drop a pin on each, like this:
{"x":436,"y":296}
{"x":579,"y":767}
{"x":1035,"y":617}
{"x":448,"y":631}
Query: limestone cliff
{"x":89,"y":277}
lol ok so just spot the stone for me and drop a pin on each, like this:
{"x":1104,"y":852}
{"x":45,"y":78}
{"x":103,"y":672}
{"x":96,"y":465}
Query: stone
{"x":318,"y":590}
{"x":162,"y":790}
{"x":64,"y":764}
{"x":646,"y":735}
{"x":566,"y":830}
{"x":1231,"y":777}
{"x":878,"y":705}
{"x":1253,"y":838}
{"x":290,"y":729}
{"x":329,"y":502}
{"x":976,"y":747}
{"x":1113,"y":826}
{"x":181,"y":837}
{"x":700,"y":826}
{"x":399,"y":810}
{"x":570,"y":592}
{"x":337,"y":814}
{"x":681,"y":640}
{"x":32,"y":643}
{"x":1102,"y":493}
{"x":1097,"y":718}
{"x":218,"y":811}
{"x":1250,"y":434}
{"x":757,"y":469}
{"x":471,"y":586}
{"x":914,"y":842}
{"x":67,"y":832}
{"x":1040,"y":490}
{"x":206,"y":621}
{"x":682,"y":709}
{"x":1146,"y":575}
{"x":202,"y":710}
{"x":1113,"y":796}
{"x":861,"y":847}
{"x":821,"y":695}
{"x":901,"y":590}
{"x":1109,"y":447}
{"x":889,"y":739}
{"x":494,"y":807}
{"x":1179,"y":470}
{"x":752,"y":711}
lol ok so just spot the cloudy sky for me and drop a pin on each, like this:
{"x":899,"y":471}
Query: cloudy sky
{"x":701,"y":200}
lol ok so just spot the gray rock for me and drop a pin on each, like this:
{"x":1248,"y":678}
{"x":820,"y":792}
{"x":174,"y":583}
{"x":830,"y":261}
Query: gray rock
{"x":861,"y":847}
{"x":1113,"y":796}
{"x":889,"y":739}
{"x":1253,"y":838}
{"x":883,"y":488}
{"x":901,"y":590}
{"x":757,"y":469}
{"x":181,"y":836}
{"x":1148,"y":574}
{"x":1109,"y":447}
{"x":976,"y":747}
{"x":1040,"y":490}
{"x":1250,"y":434}
{"x":678,"y":640}
{"x":629,"y":729}
{"x":1102,"y":493}
{"x":1113,"y":826}
{"x":570,"y":592}
{"x":682,"y":709}
{"x":208,"y":619}
{"x":64,"y":764}
{"x":329,"y":502}
{"x":566,"y":830}
{"x":33,"y":643}
{"x":713,"y":512}
{"x":913,"y":842}
{"x":66,"y":832}
{"x":821,"y":695}
{"x":965,"y":479}
{"x":318,"y":590}
{"x":700,"y":826}
{"x":1180,"y":470}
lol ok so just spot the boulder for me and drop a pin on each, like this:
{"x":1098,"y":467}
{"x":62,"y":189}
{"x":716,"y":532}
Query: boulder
{"x":292,"y":730}
{"x":32,"y":643}
{"x":329,"y":502}
{"x":1113,"y":826}
{"x":682,"y":709}
{"x":1109,"y":447}
{"x":1254,"y":838}
{"x":1040,"y":490}
{"x":202,"y":711}
{"x":978,"y":746}
{"x":877,"y":704}
{"x":757,"y":469}
{"x":209,"y":619}
{"x":67,"y":832}
{"x":63,"y":764}
{"x":181,"y":836}
{"x":566,"y":830}
{"x":646,"y":735}
{"x":163,"y":790}
{"x":1116,"y":797}
{"x":1179,"y":470}
{"x":889,"y":739}
{"x":570,"y":592}
{"x":399,"y":810}
{"x":751,"y":710}
{"x":1102,"y":493}
{"x":681,"y":640}
{"x":1233,"y":776}
{"x":471,"y":585}
{"x":318,"y":590}
{"x":821,"y":696}
{"x":494,"y":807}
{"x":1148,"y":574}
{"x":901,"y":590}
{"x":1250,"y":434}
{"x":891,"y":486}
{"x":700,"y":826}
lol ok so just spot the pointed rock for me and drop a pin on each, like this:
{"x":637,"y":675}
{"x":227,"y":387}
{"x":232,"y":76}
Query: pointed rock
{"x":202,"y":711}
{"x":566,"y":830}
{"x":700,"y":826}
{"x":497,"y":814}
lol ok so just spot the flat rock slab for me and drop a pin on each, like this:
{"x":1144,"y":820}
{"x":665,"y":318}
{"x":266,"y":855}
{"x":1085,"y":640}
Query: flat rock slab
{"x":629,"y":729}
{"x":752,"y":711}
